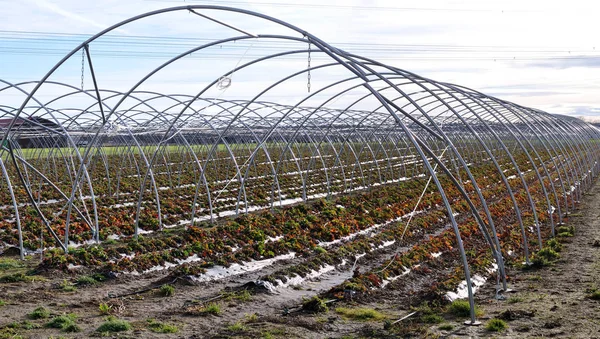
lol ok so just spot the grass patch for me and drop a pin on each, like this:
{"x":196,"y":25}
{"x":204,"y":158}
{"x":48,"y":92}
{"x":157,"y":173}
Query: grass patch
{"x":167,"y":290}
{"x":20,"y":277}
{"x":208,"y":309}
{"x":25,"y":325}
{"x":243,"y":295}
{"x":2,"y":302}
{"x":461,"y":308}
{"x":446,"y":327}
{"x":361,"y":314}
{"x":113,"y":324}
{"x":432,"y":319}
{"x":554,"y":245}
{"x":39,"y":313}
{"x":67,"y":286}
{"x":9,"y":263}
{"x":593,"y":294}
{"x":86,"y":280}
{"x":544,"y":257}
{"x":496,"y":325}
{"x":565,"y":231}
{"x":251,"y":318}
{"x":237,"y":327}
{"x":159,"y":327}
{"x":514,"y":300}
{"x":65,"y":323}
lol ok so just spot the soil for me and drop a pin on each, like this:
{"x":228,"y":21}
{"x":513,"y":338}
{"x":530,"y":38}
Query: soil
{"x":551,"y":301}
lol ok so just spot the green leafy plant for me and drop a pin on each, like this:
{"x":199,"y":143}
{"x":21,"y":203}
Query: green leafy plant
{"x":65,"y":323}
{"x":243,"y":295}
{"x":237,"y":327}
{"x":104,"y":308}
{"x":432,"y":319}
{"x":544,"y":257}
{"x":462,"y":308}
{"x":315,"y":305}
{"x":9,"y":263}
{"x":167,"y":290}
{"x":113,"y":324}
{"x":446,"y":327}
{"x":362,"y":314}
{"x":496,"y":325}
{"x":514,"y":300}
{"x":67,"y":286}
{"x":211,"y":308}
{"x":159,"y":327}
{"x":554,"y":245}
{"x":39,"y":313}
{"x":86,"y":280}
{"x":251,"y":318}
{"x":565,"y":231}
{"x":593,"y":294}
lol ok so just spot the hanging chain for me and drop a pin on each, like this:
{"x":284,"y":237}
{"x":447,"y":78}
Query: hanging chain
{"x":308,"y":83}
{"x":82,"y":66}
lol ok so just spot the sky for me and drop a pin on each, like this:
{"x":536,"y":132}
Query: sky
{"x":542,"y":54}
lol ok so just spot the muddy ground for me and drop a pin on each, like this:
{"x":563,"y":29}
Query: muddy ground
{"x":551,"y":301}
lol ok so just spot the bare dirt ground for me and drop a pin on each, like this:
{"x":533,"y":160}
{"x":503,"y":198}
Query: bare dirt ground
{"x":555,"y":301}
{"x":552,"y":301}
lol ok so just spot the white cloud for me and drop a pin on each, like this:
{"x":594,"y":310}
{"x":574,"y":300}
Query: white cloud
{"x":502,"y":47}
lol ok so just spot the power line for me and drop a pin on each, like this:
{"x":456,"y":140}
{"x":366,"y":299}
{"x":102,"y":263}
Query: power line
{"x":498,"y":10}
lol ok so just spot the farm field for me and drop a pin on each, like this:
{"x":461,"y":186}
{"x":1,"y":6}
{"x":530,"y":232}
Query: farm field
{"x":350,"y":246}
{"x":546,"y":301}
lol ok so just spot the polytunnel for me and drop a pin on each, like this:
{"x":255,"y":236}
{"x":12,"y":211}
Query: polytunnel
{"x":85,"y":165}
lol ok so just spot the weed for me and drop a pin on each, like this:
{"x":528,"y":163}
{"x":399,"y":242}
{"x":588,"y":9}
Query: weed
{"x":544,"y":257}
{"x":167,"y":290}
{"x":8,"y":263}
{"x":67,"y":286}
{"x":496,"y":325}
{"x":554,"y":245}
{"x":566,"y":231}
{"x":514,"y":300}
{"x":114,"y":325}
{"x":159,"y":327}
{"x":320,"y":250}
{"x":315,"y":305}
{"x":19,"y":277}
{"x":594,"y":294}
{"x":362,"y":314}
{"x":65,"y":322}
{"x":432,"y":319}
{"x":237,"y":327}
{"x":104,"y":308}
{"x":86,"y":280}
{"x":462,"y":308}
{"x":9,"y":333}
{"x":26,"y":325}
{"x":251,"y":318}
{"x":243,"y":295}
{"x":446,"y":327}
{"x":212,"y":308}
{"x":423,"y":309}
{"x":2,"y":302}
{"x":39,"y":313}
